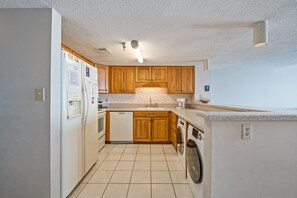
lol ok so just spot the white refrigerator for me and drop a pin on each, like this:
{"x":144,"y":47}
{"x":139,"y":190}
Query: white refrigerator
{"x":90,"y":115}
{"x":79,"y":122}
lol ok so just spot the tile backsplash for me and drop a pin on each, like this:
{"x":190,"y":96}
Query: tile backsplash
{"x":142,"y":96}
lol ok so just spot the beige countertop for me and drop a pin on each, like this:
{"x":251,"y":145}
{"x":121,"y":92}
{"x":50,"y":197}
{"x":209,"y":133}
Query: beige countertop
{"x":190,"y":115}
{"x":195,"y":116}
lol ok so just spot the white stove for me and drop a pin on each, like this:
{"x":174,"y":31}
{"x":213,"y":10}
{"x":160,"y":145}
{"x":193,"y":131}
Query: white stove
{"x":101,"y":129}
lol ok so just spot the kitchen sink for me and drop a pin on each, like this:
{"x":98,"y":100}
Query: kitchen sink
{"x":149,"y":108}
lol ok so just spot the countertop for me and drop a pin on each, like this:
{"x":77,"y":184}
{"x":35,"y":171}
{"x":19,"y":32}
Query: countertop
{"x":194,"y":116}
{"x":189,"y":115}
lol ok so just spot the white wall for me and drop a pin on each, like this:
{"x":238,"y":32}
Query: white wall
{"x":202,"y":78}
{"x":55,"y":111}
{"x":29,"y":59}
{"x":263,"y":167}
{"x":255,"y":87}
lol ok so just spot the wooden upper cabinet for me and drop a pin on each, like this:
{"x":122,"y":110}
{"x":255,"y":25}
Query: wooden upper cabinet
{"x":160,"y":130}
{"x":142,"y":129}
{"x":129,"y":79}
{"x":188,"y":80}
{"x":143,"y":74}
{"x":174,"y":79}
{"x":116,"y":79}
{"x":102,"y":78}
{"x":159,"y":74}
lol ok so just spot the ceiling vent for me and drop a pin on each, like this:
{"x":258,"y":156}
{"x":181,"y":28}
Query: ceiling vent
{"x":103,"y":51}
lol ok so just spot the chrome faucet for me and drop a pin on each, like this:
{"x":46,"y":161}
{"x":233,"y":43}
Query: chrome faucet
{"x":151,"y":104}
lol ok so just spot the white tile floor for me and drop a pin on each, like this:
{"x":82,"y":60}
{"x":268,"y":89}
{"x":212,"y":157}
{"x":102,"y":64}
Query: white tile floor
{"x":135,"y":171}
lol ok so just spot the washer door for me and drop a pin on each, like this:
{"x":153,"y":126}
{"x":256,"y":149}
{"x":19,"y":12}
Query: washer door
{"x":180,"y":141}
{"x":194,"y":162}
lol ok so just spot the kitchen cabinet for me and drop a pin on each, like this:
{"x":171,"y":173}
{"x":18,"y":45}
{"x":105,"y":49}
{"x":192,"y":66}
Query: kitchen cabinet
{"x":173,"y":127}
{"x":159,"y":129}
{"x":143,"y":74}
{"x":116,"y":80}
{"x":142,"y":129}
{"x":151,"y":74}
{"x":151,"y":77}
{"x":129,"y":79}
{"x":122,"y":79}
{"x":159,"y":74}
{"x":102,"y":78}
{"x":174,"y":79}
{"x":181,"y":79}
{"x":107,"y":127}
{"x":188,"y":80}
{"x":151,"y":127}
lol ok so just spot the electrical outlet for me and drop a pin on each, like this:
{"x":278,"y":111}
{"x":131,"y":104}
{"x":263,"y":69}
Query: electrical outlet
{"x":40,"y":94}
{"x":247,"y":131}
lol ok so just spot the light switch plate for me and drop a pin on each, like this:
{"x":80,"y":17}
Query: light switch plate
{"x":247,"y":131}
{"x":40,"y":94}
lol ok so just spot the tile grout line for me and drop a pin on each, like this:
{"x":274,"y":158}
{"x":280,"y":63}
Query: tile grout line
{"x":112,"y":172}
{"x":132,"y":173}
{"x":170,"y":176}
{"x":151,"y":173}
{"x":92,"y":175}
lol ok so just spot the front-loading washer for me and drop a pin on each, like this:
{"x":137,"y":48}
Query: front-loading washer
{"x":181,"y":141}
{"x":195,"y":169}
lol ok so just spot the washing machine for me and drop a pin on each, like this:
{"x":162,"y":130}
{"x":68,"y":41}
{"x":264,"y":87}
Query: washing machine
{"x":181,"y":141}
{"x":194,"y":151}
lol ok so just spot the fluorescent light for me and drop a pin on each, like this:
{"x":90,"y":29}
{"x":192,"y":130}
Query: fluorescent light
{"x":138,"y":55}
{"x":260,"y":34}
{"x":137,"y":50}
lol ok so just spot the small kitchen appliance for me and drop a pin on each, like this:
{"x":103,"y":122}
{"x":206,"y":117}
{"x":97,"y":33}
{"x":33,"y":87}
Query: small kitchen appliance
{"x":181,"y":103}
{"x":102,"y":103}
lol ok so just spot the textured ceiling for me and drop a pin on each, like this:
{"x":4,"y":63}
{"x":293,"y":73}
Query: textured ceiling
{"x":177,"y":32}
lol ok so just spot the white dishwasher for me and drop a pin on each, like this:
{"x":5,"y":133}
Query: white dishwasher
{"x":121,"y":126}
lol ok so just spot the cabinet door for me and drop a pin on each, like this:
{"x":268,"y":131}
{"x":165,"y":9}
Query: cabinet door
{"x":116,"y":80}
{"x":129,"y":79}
{"x":160,"y":130}
{"x":188,"y":80}
{"x":143,"y":74}
{"x":173,"y":138}
{"x":159,"y":74}
{"x":102,"y":78}
{"x":142,"y":129}
{"x":174,"y":79}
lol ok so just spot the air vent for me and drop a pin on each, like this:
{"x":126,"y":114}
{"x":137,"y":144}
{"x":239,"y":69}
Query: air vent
{"x":103,"y":51}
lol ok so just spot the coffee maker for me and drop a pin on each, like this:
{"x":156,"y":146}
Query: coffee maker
{"x":181,"y":103}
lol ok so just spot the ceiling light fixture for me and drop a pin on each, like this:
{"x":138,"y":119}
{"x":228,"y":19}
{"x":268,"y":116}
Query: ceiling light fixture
{"x":260,"y":34}
{"x":137,"y":50}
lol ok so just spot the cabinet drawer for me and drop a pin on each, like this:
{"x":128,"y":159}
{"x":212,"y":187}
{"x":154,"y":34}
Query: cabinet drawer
{"x":150,"y":114}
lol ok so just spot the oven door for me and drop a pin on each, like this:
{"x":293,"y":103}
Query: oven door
{"x":101,"y":124}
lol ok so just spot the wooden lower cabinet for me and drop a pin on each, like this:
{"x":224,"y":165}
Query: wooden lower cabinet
{"x":173,"y":127}
{"x":151,"y":127}
{"x":107,"y":127}
{"x":159,"y":129}
{"x":142,"y":129}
